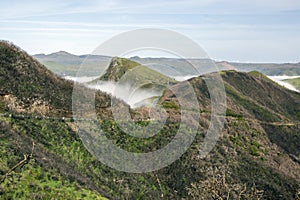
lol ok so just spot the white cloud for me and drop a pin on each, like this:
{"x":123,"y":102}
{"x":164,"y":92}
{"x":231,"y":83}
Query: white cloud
{"x":20,"y":9}
{"x":15,"y":9}
{"x":45,"y":26}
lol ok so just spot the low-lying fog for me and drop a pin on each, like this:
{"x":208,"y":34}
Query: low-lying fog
{"x":184,"y":78}
{"x":83,"y":79}
{"x":134,"y":97}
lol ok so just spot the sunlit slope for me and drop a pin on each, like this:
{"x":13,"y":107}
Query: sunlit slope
{"x":295,"y":82}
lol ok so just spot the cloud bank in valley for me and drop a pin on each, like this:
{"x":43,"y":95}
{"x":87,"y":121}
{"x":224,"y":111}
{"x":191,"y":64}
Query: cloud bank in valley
{"x":135,"y":97}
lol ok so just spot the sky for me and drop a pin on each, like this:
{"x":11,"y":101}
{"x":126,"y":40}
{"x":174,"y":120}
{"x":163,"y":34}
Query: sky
{"x":243,"y":31}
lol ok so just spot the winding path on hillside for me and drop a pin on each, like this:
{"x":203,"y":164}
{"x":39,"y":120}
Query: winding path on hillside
{"x":71,"y":119}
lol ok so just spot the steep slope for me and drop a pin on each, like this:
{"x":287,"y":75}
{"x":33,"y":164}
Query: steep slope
{"x":260,"y":143}
{"x":27,"y":82}
{"x":29,"y":168}
{"x":272,"y":101}
{"x":29,"y":87}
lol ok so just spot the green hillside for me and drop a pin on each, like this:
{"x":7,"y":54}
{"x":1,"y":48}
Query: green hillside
{"x":42,"y":156}
{"x":27,"y":82}
{"x":29,"y":169}
{"x":295,"y":82}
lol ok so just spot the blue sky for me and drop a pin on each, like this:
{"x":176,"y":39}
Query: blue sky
{"x":244,"y":30}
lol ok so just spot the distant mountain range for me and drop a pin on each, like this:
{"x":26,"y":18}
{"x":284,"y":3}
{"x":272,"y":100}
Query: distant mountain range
{"x":63,"y":63}
{"x":43,"y":157}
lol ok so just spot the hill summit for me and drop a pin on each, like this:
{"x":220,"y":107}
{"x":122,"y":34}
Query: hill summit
{"x":117,"y":68}
{"x":131,"y":72}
